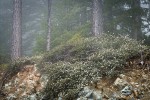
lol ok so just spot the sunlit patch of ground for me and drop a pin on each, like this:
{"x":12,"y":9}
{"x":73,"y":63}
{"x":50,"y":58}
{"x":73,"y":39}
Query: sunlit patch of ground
{"x":26,"y":82}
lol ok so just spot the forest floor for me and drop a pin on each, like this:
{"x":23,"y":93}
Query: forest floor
{"x":26,"y":82}
{"x":133,"y":83}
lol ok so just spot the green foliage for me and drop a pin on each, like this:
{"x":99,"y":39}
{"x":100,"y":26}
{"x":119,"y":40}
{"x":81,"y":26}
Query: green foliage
{"x":147,"y":40}
{"x":79,"y":61}
{"x":4,"y":59}
{"x":128,"y":15}
{"x":64,"y":76}
{"x":59,"y":39}
{"x":40,"y":45}
{"x":65,"y":23}
{"x":3,"y":67}
{"x":89,"y":48}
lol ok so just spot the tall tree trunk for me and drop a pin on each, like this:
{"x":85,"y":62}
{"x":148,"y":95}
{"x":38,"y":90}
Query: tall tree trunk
{"x":49,"y":26}
{"x":80,"y":19}
{"x":97,"y":17}
{"x":136,"y":17}
{"x":149,"y":15}
{"x":16,"y":35}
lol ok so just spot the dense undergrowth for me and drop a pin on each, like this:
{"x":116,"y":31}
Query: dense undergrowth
{"x":79,"y":62}
{"x":75,"y":64}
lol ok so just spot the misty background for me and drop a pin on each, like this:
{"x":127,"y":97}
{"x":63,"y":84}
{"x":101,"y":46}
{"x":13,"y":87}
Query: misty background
{"x":68,"y":17}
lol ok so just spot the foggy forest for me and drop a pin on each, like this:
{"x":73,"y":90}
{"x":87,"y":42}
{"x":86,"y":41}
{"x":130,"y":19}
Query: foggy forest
{"x":74,"y":49}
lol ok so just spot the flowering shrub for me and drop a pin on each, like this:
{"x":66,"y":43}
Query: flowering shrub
{"x":75,"y":64}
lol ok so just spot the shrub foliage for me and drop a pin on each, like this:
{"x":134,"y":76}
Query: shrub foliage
{"x":75,"y":64}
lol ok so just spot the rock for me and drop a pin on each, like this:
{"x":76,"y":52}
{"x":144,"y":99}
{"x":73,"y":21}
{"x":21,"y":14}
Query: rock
{"x":114,"y":96}
{"x":2,"y":94}
{"x":145,"y":76}
{"x":108,"y":92}
{"x":127,"y":91}
{"x":60,"y":98}
{"x":120,"y":83}
{"x":38,"y":75}
{"x":30,"y":78}
{"x":16,"y":80}
{"x":29,"y":97}
{"x":97,"y":95}
{"x":11,"y":97}
{"x":138,"y":94}
{"x":122,"y":76}
{"x":22,"y":85}
{"x":90,"y":94}
{"x":8,"y":86}
{"x":25,"y":84}
{"x":33,"y":97}
{"x":85,"y":91}
{"x":136,"y":83}
{"x":105,"y":96}
{"x":82,"y":98}
{"x":95,"y":81}
{"x":133,"y":74}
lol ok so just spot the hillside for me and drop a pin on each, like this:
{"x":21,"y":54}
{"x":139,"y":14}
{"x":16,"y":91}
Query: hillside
{"x":97,"y":68}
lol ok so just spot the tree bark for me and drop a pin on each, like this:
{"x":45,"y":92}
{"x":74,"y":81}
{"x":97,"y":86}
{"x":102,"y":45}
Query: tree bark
{"x":136,"y":24}
{"x":16,"y":35}
{"x":49,"y":26}
{"x":97,"y":17}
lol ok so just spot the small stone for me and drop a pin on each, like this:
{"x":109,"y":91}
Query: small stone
{"x":33,"y":97}
{"x":105,"y":97}
{"x":136,"y":83}
{"x":97,"y":95}
{"x":88,"y":95}
{"x":82,"y":98}
{"x":127,"y":91}
{"x":86,"y":90}
{"x":120,"y":83}
{"x":144,"y":76}
{"x":16,"y":81}
{"x":7,"y":86}
{"x":122,"y":76}
{"x":30,"y":78}
{"x":11,"y":97}
{"x":38,"y":75}
{"x":60,"y":98}
{"x":133,"y":74}
{"x":114,"y":96}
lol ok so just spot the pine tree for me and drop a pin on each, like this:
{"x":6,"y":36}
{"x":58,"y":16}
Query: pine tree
{"x":136,"y":19}
{"x":16,"y":35}
{"x":124,"y":17}
{"x":49,"y":26}
{"x":97,"y":17}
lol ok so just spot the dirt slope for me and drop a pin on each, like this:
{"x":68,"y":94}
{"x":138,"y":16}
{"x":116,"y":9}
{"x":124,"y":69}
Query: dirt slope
{"x":27,"y":83}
